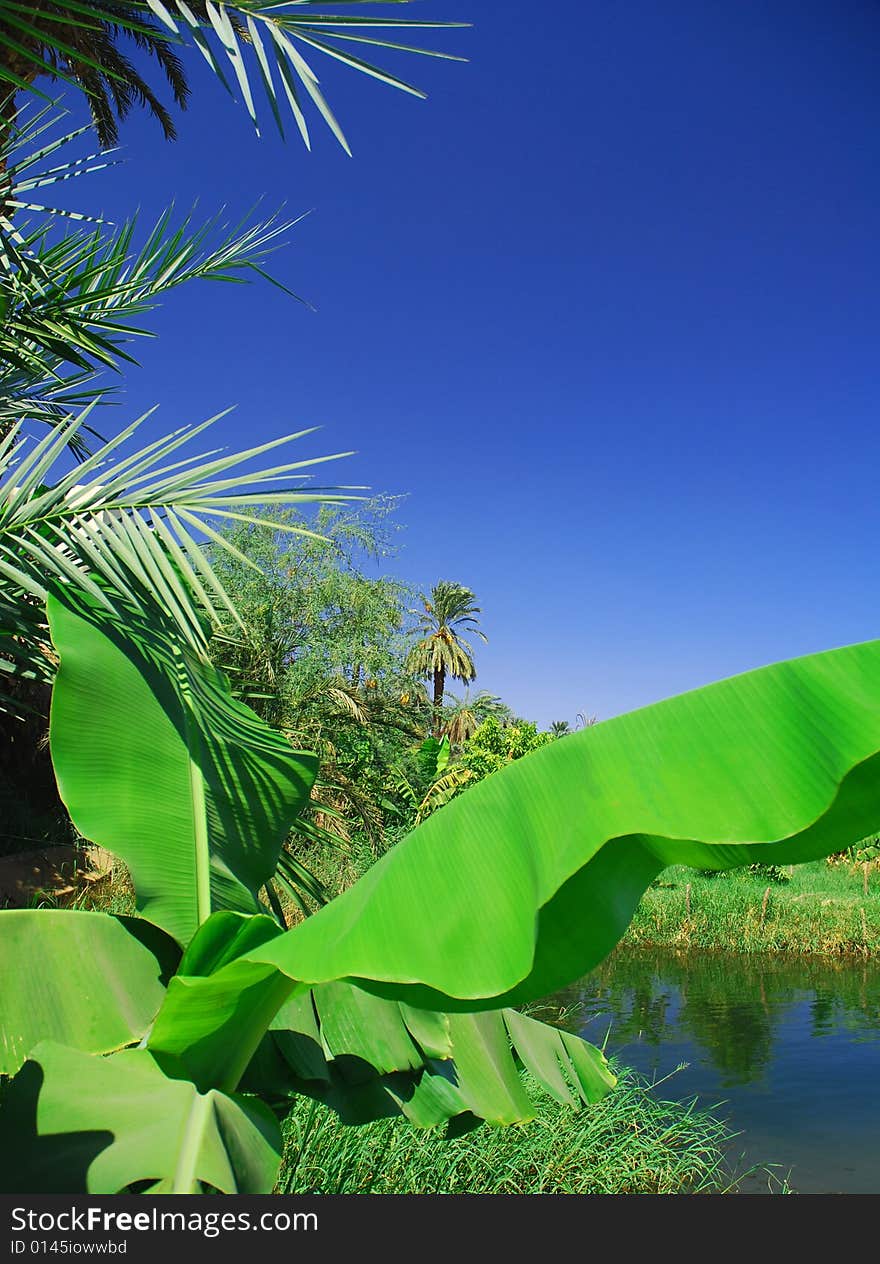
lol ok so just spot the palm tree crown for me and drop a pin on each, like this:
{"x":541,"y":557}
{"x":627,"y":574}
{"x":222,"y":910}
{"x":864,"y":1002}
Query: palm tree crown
{"x":462,"y":719}
{"x":449,"y":614}
{"x":85,"y":47}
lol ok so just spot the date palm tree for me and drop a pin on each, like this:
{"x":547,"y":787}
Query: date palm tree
{"x":449,"y":615}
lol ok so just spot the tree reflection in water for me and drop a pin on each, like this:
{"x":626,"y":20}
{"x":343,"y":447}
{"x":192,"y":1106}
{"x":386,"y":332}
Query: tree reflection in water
{"x":729,"y":1007}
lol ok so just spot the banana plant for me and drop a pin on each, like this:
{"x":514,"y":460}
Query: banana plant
{"x":398,"y":996}
{"x":438,"y":781}
{"x":201,"y":833}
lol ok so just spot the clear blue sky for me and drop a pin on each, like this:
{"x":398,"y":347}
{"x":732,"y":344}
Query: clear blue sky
{"x":606,"y":307}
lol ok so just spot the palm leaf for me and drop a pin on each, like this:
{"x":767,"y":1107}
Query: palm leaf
{"x":129,"y":525}
{"x":70,"y":306}
{"x":287,"y":29}
{"x":24,"y":153}
{"x":242,"y":43}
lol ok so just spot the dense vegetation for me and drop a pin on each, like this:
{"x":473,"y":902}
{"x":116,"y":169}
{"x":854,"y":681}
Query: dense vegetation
{"x":354,"y":665}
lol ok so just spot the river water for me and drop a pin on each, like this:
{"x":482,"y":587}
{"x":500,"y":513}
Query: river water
{"x":790,"y":1046}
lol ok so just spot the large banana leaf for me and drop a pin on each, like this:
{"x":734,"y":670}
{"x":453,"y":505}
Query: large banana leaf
{"x":157,"y":762}
{"x":520,"y":885}
{"x":74,"y":1123}
{"x":85,"y":979}
{"x":366,"y":1056}
{"x":527,"y":880}
{"x":165,"y":1118}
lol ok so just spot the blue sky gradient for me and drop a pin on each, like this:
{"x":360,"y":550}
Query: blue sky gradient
{"x":605,"y":308}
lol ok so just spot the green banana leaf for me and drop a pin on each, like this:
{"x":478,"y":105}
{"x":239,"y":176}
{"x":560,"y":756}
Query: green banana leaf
{"x":516,"y":888}
{"x":158,"y":763}
{"x":432,"y":757}
{"x":368,"y":1058}
{"x":365,"y":1056}
{"x":87,"y":980}
{"x":164,"y":1118}
{"x":74,"y":1123}
{"x":526,"y":881}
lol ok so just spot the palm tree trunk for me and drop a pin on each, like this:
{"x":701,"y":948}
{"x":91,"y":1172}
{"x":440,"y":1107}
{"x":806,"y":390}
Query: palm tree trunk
{"x":439,"y":685}
{"x":25,"y":70}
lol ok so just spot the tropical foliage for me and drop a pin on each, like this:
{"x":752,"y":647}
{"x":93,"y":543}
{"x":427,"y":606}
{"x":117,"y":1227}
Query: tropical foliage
{"x":81,"y":43}
{"x":462,"y":717}
{"x":322,"y":658}
{"x":493,"y":745}
{"x":71,"y":302}
{"x":159,"y":1053}
{"x":313,"y":617}
{"x":327,"y":657}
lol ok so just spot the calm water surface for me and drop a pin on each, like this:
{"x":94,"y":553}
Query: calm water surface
{"x":790,"y":1046}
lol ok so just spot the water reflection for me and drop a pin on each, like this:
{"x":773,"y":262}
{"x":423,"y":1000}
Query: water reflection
{"x":791,"y":1044}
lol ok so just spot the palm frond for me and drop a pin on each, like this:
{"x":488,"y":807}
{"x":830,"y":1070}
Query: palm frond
{"x":275,"y":39}
{"x":257,"y":48}
{"x":129,"y":526}
{"x":28,"y":164}
{"x":436,"y":652}
{"x":78,"y":44}
{"x":463,"y":717}
{"x":69,"y":305}
{"x":81,"y":292}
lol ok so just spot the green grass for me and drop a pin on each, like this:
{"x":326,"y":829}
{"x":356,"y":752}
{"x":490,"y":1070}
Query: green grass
{"x":632,"y":1142}
{"x":818,"y":908}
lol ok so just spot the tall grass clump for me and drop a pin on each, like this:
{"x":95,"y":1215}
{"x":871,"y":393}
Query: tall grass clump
{"x":831,"y":909}
{"x":632,"y":1142}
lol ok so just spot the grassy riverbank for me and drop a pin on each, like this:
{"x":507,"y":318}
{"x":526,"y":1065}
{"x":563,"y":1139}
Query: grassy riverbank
{"x":631,"y":1142}
{"x":816,"y":908}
